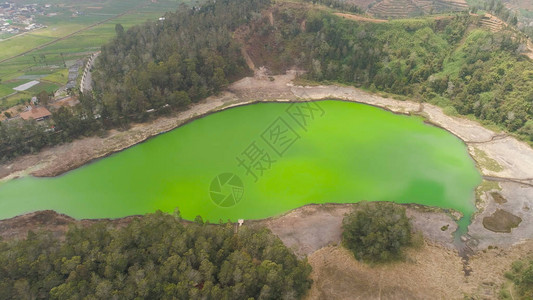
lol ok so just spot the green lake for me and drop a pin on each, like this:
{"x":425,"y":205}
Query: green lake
{"x":271,"y":157}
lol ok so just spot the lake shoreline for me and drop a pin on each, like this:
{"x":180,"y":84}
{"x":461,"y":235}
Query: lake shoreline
{"x":515,"y":158}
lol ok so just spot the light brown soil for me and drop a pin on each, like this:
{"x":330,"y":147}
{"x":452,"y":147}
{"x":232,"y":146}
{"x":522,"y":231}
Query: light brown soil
{"x":360,"y":18}
{"x":432,"y":272}
{"x":312,"y":227}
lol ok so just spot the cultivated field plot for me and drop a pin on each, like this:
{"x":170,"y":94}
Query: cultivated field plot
{"x":75,"y":29}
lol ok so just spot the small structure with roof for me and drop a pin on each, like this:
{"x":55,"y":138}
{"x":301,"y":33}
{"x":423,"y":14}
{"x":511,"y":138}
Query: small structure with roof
{"x":36,"y":113}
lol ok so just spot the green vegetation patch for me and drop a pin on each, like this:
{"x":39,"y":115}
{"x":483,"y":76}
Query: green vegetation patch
{"x":521,"y":278}
{"x":60,"y":77}
{"x":153,"y":257}
{"x":13,"y":100}
{"x":485,"y":161}
{"x":49,"y":87}
{"x":377,"y":232}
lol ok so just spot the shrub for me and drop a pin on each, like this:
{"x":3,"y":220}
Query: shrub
{"x":377,"y":232}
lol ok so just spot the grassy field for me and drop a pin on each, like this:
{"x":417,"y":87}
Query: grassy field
{"x":50,"y":60}
{"x":59,"y":77}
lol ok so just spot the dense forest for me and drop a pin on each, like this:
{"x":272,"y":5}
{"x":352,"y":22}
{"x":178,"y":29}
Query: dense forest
{"x":377,"y":232}
{"x":154,"y":257}
{"x":471,"y":72}
{"x":187,"y":57}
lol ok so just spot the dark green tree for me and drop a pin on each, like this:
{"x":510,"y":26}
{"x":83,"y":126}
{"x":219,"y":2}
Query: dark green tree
{"x":377,"y":232}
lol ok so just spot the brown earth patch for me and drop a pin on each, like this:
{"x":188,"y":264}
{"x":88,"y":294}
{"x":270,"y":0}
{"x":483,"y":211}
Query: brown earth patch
{"x":498,"y":198}
{"x":49,"y":220}
{"x":430,"y":272}
{"x":501,"y":221}
{"x":360,"y":18}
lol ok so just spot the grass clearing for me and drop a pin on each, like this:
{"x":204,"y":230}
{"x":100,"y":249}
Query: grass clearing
{"x":486,"y":162}
{"x":20,"y":44}
{"x":49,"y":87}
{"x":14,"y":100}
{"x":484,"y":187}
{"x":6,"y":88}
{"x":59,"y":77}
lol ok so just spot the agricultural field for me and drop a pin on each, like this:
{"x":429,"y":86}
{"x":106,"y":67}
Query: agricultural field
{"x":74,"y":30}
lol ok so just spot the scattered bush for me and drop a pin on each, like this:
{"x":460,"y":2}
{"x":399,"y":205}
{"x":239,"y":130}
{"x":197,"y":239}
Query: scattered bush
{"x":377,"y":232}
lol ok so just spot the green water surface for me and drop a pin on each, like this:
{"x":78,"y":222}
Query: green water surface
{"x":332,"y":152}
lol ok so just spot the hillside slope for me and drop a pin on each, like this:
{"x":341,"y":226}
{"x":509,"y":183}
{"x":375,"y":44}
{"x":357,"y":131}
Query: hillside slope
{"x":456,"y":62}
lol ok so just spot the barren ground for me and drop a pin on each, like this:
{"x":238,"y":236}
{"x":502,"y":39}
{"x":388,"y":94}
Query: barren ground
{"x":431,"y":272}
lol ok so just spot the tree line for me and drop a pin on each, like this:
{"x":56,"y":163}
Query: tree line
{"x":153,"y":257}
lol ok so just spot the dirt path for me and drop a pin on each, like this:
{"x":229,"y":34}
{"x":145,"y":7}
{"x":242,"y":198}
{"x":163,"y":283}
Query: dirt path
{"x":360,"y":18}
